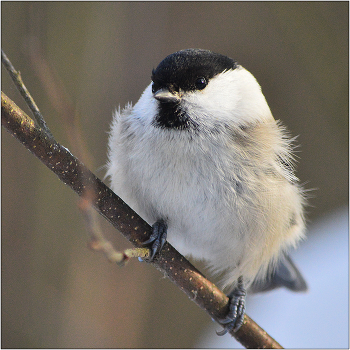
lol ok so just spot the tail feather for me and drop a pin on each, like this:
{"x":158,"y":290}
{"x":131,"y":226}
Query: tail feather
{"x":286,"y":275}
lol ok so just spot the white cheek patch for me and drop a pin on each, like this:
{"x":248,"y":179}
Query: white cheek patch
{"x":234,"y":95}
{"x":146,"y":106}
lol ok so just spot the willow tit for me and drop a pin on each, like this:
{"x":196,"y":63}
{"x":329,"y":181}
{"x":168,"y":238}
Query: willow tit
{"x":201,"y":158}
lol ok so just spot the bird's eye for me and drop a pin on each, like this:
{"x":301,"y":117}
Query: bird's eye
{"x":201,"y":83}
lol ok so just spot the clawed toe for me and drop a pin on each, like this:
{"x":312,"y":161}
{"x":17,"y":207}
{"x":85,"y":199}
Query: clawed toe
{"x":157,"y":238}
{"x":234,"y":319}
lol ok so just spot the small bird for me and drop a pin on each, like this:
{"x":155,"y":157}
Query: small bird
{"x":201,"y":158}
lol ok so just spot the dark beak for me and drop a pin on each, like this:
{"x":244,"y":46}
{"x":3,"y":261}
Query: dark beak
{"x":164,"y":95}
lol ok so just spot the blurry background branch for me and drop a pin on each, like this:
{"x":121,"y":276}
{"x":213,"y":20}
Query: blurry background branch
{"x":74,"y":173}
{"x":17,"y":79}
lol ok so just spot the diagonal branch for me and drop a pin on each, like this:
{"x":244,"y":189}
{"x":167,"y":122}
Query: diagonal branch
{"x":17,"y":79}
{"x":76,"y":175}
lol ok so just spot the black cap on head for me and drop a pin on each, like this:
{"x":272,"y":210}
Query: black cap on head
{"x":183,"y":68}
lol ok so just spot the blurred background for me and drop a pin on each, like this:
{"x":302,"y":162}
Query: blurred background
{"x":56,"y":292}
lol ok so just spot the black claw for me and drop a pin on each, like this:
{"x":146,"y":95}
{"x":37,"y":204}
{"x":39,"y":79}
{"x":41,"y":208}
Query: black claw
{"x":235,"y":317}
{"x":157,"y":238}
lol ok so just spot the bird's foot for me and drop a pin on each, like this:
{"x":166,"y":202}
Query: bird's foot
{"x":157,"y":238}
{"x":234,"y":319}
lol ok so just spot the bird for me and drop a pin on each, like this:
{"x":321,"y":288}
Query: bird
{"x":201,"y":158}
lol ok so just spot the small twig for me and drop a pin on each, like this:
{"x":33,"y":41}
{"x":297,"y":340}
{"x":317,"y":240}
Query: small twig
{"x":60,"y":100}
{"x":17,"y":79}
{"x":98,"y":242}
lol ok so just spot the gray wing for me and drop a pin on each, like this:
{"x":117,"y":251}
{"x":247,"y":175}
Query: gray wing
{"x":286,"y":275}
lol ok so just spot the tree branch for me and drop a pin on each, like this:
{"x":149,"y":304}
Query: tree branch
{"x":74,"y":173}
{"x":17,"y":79}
